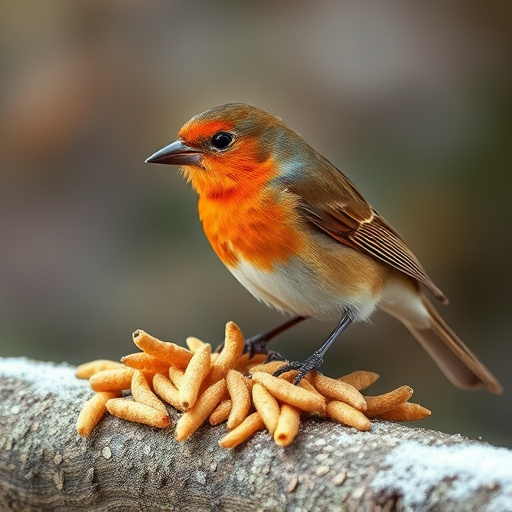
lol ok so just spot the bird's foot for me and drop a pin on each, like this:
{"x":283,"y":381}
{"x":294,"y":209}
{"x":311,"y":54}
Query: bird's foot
{"x":274,"y":356}
{"x":255,"y":345}
{"x":313,"y":362}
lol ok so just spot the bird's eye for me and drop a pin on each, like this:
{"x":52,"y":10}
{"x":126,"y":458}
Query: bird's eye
{"x":222,"y":140}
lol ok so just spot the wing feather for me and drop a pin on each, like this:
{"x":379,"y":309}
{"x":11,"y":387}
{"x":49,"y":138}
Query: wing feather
{"x":373,"y":236}
{"x":330,"y":201}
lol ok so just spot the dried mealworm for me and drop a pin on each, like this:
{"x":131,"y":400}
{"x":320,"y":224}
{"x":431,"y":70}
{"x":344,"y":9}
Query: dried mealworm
{"x":304,"y":383}
{"x":348,"y":415}
{"x":339,"y":390}
{"x":287,"y":425}
{"x":92,"y":411}
{"x":406,"y":412}
{"x":240,"y":398}
{"x":142,"y":393}
{"x":162,"y":350}
{"x":360,"y":379}
{"x":377,"y":405}
{"x":270,"y":367}
{"x":196,"y":371}
{"x":266,"y":405}
{"x":193,"y":418}
{"x":86,"y":370}
{"x":176,"y":376}
{"x":221,"y":413}
{"x":112,"y":380}
{"x":194,"y":343}
{"x":146,"y":362}
{"x":246,"y":429}
{"x":137,"y":412}
{"x":166,"y":390}
{"x":291,"y":394}
{"x":233,"y":348}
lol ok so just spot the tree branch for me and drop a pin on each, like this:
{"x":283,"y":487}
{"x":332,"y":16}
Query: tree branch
{"x":45,"y":465}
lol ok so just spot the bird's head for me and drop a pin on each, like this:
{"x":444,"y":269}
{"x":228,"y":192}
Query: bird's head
{"x":224,"y":150}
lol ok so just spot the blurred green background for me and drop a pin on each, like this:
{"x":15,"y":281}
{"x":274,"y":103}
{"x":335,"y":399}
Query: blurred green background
{"x":411,"y":99}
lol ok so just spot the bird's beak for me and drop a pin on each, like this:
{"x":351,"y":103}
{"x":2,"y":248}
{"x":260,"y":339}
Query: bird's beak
{"x":176,"y":153}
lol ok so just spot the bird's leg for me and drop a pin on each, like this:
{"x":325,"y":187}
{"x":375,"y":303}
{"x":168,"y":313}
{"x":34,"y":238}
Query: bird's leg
{"x":258,"y":344}
{"x":315,"y":360}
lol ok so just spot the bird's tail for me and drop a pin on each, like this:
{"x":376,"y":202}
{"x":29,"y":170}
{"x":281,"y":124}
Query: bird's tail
{"x":454,"y":359}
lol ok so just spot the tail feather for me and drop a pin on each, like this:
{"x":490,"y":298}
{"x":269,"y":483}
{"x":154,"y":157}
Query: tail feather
{"x":454,"y":359}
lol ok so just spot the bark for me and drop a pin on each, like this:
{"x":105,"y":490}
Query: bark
{"x":45,"y":465}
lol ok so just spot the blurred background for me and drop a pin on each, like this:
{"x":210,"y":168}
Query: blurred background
{"x":412,"y":100}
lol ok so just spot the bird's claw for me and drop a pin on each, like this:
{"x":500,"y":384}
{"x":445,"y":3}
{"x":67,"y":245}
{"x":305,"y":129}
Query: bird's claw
{"x":313,"y":362}
{"x":274,"y":356}
{"x":256,"y":345}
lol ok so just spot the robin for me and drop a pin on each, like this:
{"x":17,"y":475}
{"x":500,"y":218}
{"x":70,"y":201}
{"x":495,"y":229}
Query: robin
{"x":301,"y":238}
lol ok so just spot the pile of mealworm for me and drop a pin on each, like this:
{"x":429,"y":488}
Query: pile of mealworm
{"x":230,"y":387}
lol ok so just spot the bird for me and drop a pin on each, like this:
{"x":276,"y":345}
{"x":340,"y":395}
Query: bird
{"x":300,"y":237}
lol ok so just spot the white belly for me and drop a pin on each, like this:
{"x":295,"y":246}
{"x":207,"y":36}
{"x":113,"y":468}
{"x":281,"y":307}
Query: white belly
{"x":296,"y":289}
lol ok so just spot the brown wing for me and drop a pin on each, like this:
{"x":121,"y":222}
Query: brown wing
{"x":335,"y":206}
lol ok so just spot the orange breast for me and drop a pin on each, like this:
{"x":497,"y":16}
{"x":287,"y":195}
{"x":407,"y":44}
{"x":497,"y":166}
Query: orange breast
{"x":259,"y":227}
